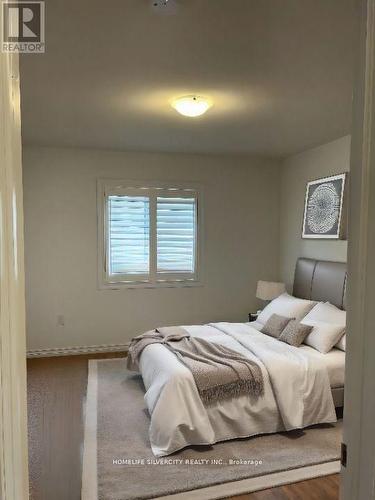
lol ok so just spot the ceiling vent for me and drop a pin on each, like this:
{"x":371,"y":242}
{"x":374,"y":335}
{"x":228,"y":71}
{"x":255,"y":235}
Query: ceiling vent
{"x":164,"y":6}
{"x":160,"y":4}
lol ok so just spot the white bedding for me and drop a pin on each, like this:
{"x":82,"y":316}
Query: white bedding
{"x":334,"y":360}
{"x":297,"y":392}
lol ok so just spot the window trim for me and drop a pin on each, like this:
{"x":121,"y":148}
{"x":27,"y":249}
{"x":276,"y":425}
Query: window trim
{"x":106,"y":187}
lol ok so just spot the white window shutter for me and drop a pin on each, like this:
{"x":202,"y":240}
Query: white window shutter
{"x":129,"y":234}
{"x":176,"y":234}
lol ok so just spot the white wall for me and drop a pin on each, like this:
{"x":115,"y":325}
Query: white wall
{"x":296,"y":171}
{"x":241,"y":226}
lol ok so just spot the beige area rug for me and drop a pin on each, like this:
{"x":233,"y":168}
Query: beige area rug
{"x":118,"y":463}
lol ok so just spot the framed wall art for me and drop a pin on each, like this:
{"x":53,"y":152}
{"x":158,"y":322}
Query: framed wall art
{"x":324,"y":200}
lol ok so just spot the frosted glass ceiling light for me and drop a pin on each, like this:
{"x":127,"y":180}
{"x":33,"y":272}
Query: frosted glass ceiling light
{"x":191,"y":105}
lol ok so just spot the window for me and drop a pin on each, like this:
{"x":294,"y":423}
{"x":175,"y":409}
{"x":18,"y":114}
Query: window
{"x":128,"y":219}
{"x":148,"y":234}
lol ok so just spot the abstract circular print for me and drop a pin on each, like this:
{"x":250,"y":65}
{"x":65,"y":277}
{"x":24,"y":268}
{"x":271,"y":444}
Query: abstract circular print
{"x":323,"y":209}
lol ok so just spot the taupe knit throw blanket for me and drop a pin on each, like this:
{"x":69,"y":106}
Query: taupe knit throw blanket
{"x":219,"y":372}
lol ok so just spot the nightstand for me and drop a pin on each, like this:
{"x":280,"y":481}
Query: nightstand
{"x":253,"y":317}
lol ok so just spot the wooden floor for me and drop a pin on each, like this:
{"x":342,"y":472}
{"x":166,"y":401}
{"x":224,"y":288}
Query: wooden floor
{"x":56,"y":395}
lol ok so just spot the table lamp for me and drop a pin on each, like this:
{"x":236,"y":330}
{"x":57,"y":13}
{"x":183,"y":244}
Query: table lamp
{"x":269,"y":290}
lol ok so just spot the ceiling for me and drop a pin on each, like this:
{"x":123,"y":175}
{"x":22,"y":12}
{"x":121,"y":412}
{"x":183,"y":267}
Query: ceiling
{"x":280,"y":74}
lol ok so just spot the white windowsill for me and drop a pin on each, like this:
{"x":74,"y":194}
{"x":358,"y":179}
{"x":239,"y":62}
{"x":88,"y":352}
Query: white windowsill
{"x":121,"y":285}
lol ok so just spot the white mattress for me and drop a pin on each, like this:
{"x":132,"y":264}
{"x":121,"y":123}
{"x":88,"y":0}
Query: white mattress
{"x":334,"y":361}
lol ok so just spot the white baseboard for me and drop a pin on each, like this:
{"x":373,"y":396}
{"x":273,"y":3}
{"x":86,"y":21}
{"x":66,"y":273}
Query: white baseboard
{"x":71,"y":351}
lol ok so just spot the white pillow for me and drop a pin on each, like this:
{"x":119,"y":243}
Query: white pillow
{"x":286,"y":305}
{"x":339,"y":317}
{"x":328,"y":324}
{"x":341,"y":344}
{"x":324,"y":311}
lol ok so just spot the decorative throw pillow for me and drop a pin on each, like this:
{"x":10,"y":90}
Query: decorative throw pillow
{"x":275,"y":325}
{"x":295,"y":333}
{"x":288,"y":306}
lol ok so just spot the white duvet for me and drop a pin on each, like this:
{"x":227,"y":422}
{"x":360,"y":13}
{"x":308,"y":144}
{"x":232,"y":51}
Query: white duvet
{"x":297,"y":392}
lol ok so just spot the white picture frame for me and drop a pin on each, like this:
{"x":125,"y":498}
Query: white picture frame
{"x":324,"y":203}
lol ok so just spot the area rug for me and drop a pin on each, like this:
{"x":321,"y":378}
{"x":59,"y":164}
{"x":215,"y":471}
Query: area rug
{"x":118,"y":463}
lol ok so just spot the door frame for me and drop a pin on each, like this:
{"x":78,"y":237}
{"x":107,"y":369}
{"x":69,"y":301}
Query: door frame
{"x":359,"y":413}
{"x":357,"y":479}
{"x":13,"y":400}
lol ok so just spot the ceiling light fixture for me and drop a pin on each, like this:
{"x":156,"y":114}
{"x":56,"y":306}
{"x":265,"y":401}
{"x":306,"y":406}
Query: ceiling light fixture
{"x":191,"y":105}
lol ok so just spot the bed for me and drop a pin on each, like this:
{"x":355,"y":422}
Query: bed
{"x":178,"y":416}
{"x":324,"y":281}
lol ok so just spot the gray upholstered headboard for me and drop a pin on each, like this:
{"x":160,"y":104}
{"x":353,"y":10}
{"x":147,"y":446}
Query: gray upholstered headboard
{"x":321,"y":280}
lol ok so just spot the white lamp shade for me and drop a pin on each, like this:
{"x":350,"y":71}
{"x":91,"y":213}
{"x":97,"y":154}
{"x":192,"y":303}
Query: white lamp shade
{"x":269,"y":290}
